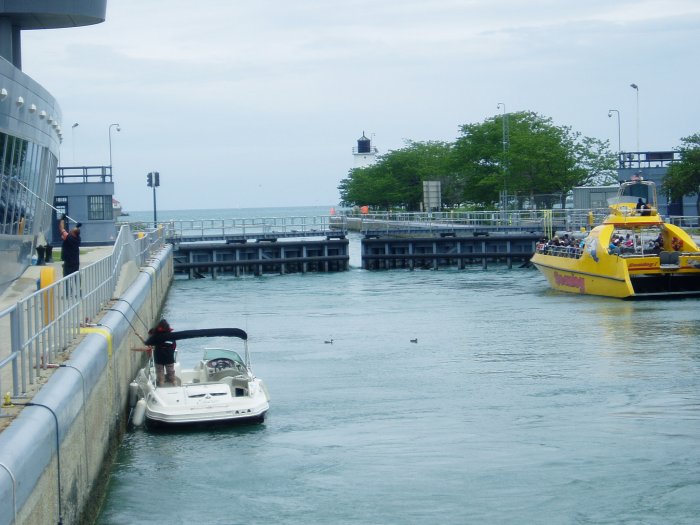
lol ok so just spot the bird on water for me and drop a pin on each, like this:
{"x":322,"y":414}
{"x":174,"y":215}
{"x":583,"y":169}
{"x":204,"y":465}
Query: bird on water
{"x":329,"y":341}
{"x":414,"y":340}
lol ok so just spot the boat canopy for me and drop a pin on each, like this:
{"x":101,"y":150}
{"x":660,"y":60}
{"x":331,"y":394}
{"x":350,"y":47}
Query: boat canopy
{"x":161,"y":337}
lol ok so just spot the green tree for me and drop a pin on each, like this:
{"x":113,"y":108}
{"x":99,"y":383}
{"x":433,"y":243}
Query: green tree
{"x":370,"y":186}
{"x":539,"y":158}
{"x":397,"y":177}
{"x":683,"y":177}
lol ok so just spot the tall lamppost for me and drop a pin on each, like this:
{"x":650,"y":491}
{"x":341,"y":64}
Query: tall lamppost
{"x":72,"y":139}
{"x":505,"y":143}
{"x":636,"y":88}
{"x":110,"y":144}
{"x":619,"y":147}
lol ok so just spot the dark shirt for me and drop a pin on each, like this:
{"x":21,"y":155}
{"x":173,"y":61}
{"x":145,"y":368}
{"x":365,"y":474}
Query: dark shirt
{"x":70,"y":253}
{"x":164,"y":353}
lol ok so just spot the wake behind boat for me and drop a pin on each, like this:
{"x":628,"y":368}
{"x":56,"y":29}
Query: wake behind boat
{"x":220,"y":388}
{"x":632,"y":254}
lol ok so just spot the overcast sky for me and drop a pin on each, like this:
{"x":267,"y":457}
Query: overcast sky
{"x":256,"y":104}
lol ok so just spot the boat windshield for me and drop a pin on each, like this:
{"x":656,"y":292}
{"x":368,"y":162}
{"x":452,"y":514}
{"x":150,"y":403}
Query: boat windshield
{"x":221,"y":353}
{"x":630,"y":192}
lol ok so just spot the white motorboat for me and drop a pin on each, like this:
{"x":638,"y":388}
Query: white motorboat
{"x":220,"y":388}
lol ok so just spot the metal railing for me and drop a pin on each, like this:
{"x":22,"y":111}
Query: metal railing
{"x":208,"y":229}
{"x":83,"y":174}
{"x":543,"y":220}
{"x":48,"y":321}
{"x":571,"y":251}
{"x":490,"y":220}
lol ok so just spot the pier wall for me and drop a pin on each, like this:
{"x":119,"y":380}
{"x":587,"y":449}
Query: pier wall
{"x":433,"y":252}
{"x":259,"y":258}
{"x":54,"y":456}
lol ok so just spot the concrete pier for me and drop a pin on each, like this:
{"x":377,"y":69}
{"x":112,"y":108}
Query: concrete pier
{"x":446,"y":250}
{"x":265,"y":257}
{"x":54,"y":451}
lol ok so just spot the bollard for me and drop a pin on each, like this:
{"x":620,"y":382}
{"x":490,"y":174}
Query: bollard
{"x":47,"y":278}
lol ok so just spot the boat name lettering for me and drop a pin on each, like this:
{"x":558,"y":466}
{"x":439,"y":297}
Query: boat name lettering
{"x":570,"y":280}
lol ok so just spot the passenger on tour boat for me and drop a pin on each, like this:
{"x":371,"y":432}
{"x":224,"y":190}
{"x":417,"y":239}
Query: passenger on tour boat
{"x":615,"y":245}
{"x":655,"y":246}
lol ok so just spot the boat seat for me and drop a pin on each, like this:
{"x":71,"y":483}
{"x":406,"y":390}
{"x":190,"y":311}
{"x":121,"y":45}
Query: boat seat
{"x":238,"y":384}
{"x":669,"y":260}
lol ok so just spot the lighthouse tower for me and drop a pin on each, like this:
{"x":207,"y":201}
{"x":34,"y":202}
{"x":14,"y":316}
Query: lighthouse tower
{"x":365,"y":154}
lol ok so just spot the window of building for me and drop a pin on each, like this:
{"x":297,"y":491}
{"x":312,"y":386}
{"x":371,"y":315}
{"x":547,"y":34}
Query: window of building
{"x":99,"y":207}
{"x":60,"y":205}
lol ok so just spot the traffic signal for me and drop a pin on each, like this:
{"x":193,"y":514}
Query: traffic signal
{"x":156,"y":181}
{"x":149,"y":179}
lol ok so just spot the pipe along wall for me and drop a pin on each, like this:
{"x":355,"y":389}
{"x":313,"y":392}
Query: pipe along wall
{"x":56,"y":454}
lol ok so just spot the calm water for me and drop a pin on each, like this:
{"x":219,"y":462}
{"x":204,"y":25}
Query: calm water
{"x":516,"y":405}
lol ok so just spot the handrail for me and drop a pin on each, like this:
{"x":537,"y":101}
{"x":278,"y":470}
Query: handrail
{"x":250,"y":227}
{"x":571,"y":219}
{"x":571,"y":251}
{"x":543,"y":219}
{"x":48,"y":321}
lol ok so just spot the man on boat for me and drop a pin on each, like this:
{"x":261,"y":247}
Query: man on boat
{"x":164,"y":355}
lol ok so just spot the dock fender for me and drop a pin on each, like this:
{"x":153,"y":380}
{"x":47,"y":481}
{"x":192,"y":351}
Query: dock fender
{"x":139,"y":413}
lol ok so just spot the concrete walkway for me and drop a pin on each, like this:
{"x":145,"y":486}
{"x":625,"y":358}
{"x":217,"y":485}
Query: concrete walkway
{"x":23,"y":287}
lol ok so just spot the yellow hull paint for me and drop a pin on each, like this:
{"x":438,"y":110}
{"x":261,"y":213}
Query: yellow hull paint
{"x":597,"y":272}
{"x":576,"y":276}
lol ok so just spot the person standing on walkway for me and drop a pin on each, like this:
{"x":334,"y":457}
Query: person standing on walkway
{"x":70,"y":249}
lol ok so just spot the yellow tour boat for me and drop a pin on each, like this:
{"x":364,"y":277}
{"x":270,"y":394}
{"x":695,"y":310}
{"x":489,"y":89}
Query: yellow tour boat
{"x":632,"y":254}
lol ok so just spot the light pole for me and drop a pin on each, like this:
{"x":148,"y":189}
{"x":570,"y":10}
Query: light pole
{"x":72,"y":139}
{"x":505,"y":143}
{"x":110,"y":144}
{"x":636,"y":88}
{"x":619,"y":147}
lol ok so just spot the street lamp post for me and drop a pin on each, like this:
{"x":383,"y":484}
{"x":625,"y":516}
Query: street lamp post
{"x":619,"y":147}
{"x":636,"y":88}
{"x":72,"y":139}
{"x":110,"y":144}
{"x":505,"y":168}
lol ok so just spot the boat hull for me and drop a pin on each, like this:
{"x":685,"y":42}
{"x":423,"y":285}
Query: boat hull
{"x":572,"y":279}
{"x":205,"y":403}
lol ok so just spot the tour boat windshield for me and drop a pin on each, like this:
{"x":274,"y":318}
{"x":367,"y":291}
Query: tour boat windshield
{"x":631,"y":191}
